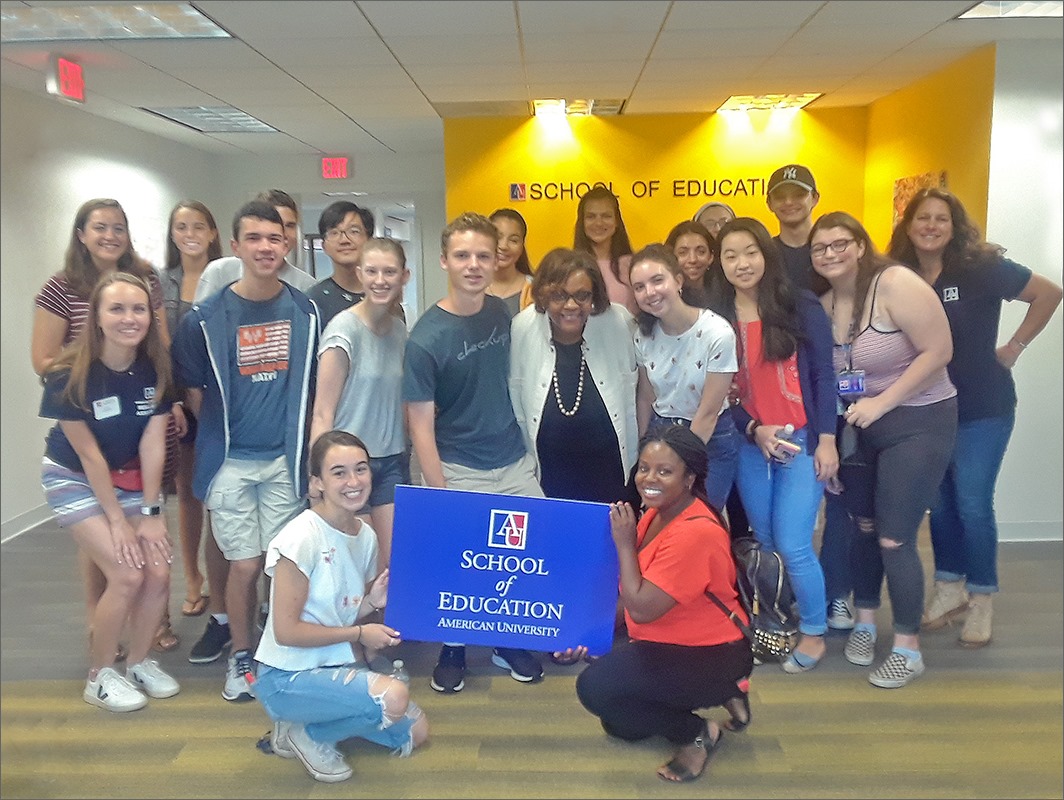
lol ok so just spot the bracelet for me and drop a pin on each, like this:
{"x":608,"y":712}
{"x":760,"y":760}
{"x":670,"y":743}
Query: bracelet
{"x":370,"y":604}
{"x":1014,"y":340}
{"x":752,"y":426}
{"x":359,"y":639}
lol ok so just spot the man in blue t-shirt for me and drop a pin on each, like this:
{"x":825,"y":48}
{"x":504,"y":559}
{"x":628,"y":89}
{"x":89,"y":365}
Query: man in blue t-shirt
{"x":246,"y":355}
{"x":457,"y":403}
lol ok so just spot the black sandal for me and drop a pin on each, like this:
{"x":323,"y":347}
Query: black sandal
{"x":738,"y":721}
{"x":702,"y":742}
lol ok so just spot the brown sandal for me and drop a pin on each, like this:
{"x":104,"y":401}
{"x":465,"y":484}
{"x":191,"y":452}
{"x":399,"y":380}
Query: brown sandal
{"x":165,"y":639}
{"x":193,"y":608}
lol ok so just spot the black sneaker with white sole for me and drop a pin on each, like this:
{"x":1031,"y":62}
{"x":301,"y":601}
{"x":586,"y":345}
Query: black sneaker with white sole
{"x":522,"y":664}
{"x":212,"y":644}
{"x":449,"y":674}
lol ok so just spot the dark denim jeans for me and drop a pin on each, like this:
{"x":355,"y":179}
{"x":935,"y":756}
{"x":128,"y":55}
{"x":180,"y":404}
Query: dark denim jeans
{"x":963,"y":526}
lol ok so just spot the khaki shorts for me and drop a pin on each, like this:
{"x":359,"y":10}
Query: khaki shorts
{"x":250,"y":501}
{"x":517,"y":478}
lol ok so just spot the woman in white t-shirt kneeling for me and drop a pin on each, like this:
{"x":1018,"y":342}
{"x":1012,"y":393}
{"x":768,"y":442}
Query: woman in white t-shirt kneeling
{"x":323,"y":566}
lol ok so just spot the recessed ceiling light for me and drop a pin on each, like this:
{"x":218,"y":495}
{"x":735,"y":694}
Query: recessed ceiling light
{"x":767,"y":102}
{"x":992,"y":9}
{"x":577,"y":107}
{"x":344,"y":194}
{"x":220,"y":119}
{"x":61,"y":23}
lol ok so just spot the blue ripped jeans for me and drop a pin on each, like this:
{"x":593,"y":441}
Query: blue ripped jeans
{"x":333,"y":704}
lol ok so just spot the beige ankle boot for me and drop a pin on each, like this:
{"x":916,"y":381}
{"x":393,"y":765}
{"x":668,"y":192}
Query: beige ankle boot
{"x":976,"y":631}
{"x":949,"y":600}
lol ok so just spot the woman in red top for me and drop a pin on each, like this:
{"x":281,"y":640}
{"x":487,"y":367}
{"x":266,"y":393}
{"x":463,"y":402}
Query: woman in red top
{"x":684,"y":653}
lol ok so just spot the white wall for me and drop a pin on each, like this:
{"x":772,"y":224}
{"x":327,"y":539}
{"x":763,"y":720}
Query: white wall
{"x":1026,"y":215}
{"x":53,"y":157}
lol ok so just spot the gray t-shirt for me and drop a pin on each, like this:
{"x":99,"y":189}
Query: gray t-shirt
{"x":371,"y":403}
{"x":223,"y":271}
{"x":462,"y":364}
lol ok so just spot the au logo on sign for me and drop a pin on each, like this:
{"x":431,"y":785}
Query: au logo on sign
{"x":509,"y":529}
{"x":517,"y":191}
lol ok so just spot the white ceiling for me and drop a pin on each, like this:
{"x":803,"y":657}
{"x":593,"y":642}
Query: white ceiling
{"x":377,"y":76}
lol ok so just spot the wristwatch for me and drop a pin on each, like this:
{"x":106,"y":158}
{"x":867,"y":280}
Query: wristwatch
{"x":151,"y":511}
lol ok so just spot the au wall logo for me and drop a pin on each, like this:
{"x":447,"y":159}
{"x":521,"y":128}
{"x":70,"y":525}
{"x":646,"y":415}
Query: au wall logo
{"x":518,"y":192}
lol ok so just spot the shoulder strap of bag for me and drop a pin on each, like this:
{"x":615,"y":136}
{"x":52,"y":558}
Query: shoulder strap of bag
{"x":742,"y":626}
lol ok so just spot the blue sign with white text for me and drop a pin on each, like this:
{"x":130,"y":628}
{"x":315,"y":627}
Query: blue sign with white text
{"x":501,"y":570}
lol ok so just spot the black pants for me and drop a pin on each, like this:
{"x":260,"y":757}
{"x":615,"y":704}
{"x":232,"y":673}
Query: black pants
{"x":641,"y":689}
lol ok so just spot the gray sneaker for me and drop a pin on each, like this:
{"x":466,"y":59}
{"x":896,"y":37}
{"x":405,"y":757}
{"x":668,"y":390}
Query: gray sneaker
{"x":322,"y":761}
{"x":897,"y":671}
{"x":861,"y":648}
{"x":239,"y":678}
{"x":279,"y":740}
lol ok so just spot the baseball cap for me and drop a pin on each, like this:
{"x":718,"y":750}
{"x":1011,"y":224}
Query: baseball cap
{"x":792,"y":173}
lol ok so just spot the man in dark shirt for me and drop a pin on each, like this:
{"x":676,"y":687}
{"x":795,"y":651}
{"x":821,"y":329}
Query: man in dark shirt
{"x":792,"y":196}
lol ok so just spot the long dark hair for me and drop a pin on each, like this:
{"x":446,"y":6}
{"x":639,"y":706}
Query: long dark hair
{"x":214,"y":249}
{"x":522,"y":265}
{"x":777,"y":298}
{"x":620,"y":245}
{"x":964,"y":250}
{"x":695,"y":294}
{"x":78,"y":269}
{"x":869,"y":265}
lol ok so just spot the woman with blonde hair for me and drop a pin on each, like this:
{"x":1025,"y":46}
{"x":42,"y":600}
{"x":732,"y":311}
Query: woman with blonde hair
{"x":102,"y":475}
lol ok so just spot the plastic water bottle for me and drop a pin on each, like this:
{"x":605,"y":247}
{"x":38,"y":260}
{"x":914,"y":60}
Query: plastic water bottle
{"x":789,"y":449}
{"x":399,"y":671}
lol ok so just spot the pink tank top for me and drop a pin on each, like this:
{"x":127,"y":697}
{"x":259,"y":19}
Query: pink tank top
{"x":884,"y":356}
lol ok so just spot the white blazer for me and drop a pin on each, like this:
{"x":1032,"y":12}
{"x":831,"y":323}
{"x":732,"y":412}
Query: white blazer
{"x":609,"y":351}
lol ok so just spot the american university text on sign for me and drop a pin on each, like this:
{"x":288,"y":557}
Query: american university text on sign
{"x":501,"y":570}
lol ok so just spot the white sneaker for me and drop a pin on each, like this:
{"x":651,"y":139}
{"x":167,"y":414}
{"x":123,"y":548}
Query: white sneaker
{"x":149,"y":677}
{"x":112,"y":692}
{"x":239,"y":678}
{"x":840,"y":617}
{"x":279,"y":740}
{"x":323,"y":761}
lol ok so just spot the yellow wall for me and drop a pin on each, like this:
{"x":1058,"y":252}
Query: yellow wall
{"x":483,"y":156}
{"x":939,"y":123}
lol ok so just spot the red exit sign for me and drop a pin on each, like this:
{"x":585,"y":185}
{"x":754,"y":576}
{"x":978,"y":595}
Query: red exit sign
{"x":66,"y":79}
{"x":334,"y":167}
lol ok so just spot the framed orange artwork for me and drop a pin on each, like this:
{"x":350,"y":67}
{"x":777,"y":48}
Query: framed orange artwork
{"x":905,"y":188}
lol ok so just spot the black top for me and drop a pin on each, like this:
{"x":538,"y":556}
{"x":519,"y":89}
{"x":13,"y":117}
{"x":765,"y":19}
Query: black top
{"x":579,"y":456}
{"x":972,"y":298}
{"x":799,"y":264}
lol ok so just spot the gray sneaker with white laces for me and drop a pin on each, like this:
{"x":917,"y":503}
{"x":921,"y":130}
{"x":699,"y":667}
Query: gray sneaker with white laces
{"x":322,"y":761}
{"x":897,"y":671}
{"x":840,"y":617}
{"x":239,"y":678}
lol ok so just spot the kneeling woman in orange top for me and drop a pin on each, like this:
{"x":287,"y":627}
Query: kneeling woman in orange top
{"x":684,"y":653}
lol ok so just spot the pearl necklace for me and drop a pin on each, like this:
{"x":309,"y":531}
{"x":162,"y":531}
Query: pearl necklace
{"x":579,"y":388}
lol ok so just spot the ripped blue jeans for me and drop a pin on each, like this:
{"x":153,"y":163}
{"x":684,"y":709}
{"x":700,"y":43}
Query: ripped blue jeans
{"x":333,"y":704}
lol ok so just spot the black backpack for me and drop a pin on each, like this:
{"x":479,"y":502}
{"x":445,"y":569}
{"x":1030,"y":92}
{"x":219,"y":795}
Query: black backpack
{"x":766,"y":594}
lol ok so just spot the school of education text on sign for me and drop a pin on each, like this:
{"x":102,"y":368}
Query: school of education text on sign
{"x":501,"y":570}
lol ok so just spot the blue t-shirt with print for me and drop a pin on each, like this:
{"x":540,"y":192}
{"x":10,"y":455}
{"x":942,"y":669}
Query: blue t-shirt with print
{"x":462,"y":364}
{"x":259,"y":357}
{"x":120,"y":406}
